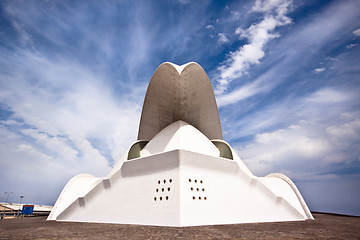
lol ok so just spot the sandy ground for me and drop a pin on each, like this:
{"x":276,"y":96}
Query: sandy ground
{"x":324,"y":226}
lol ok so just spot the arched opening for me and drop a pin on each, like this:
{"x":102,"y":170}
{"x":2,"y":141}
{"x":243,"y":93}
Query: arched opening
{"x":135,"y":149}
{"x":224,"y":148}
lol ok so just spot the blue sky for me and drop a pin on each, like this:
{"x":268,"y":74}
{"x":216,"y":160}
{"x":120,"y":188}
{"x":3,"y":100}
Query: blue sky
{"x":286,"y":74}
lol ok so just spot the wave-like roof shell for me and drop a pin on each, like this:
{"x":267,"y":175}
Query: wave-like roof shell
{"x":179,"y":93}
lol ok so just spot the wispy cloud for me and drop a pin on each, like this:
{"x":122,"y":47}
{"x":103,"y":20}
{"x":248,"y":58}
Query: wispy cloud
{"x":60,"y":112}
{"x":351,"y":45}
{"x":222,"y":38}
{"x":313,"y":139}
{"x":23,"y":35}
{"x":357,"y":32}
{"x":258,"y":35}
{"x":328,"y":95}
{"x":290,"y":53}
{"x":74,"y":74}
{"x":74,"y":98}
{"x":319,"y":70}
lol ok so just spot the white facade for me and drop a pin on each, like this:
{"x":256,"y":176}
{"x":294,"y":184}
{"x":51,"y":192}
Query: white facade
{"x":175,"y":174}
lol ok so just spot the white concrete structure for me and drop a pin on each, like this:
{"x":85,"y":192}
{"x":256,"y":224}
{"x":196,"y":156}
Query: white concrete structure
{"x":180,"y":172}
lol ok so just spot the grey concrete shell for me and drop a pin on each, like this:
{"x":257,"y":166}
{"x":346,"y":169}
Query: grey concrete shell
{"x":179,"y":93}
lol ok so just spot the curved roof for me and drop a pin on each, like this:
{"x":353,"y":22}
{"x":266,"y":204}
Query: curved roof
{"x":179,"y":93}
{"x":78,"y":186}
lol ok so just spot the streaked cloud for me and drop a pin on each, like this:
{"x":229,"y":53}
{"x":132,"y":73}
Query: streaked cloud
{"x":319,"y":70}
{"x":222,"y":38}
{"x":74,"y":74}
{"x":351,"y":45}
{"x":311,"y":140}
{"x":61,"y":111}
{"x":357,"y":32}
{"x":258,"y":35}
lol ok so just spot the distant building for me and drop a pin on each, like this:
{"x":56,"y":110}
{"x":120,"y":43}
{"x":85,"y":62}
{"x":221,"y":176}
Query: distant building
{"x":180,"y":171}
{"x":14,"y":209}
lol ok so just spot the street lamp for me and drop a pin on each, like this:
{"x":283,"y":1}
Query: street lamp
{"x":21,"y":197}
{"x":7,"y":198}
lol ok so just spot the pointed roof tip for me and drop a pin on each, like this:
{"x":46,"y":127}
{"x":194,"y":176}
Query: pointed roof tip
{"x":180,"y":68}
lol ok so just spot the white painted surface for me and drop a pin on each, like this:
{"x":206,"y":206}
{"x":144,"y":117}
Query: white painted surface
{"x":229,"y":194}
{"x":180,"y":135}
{"x":77,"y":187}
{"x":180,"y":178}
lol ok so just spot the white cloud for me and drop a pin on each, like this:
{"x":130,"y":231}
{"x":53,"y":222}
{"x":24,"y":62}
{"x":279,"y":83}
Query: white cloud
{"x":11,"y":122}
{"x":235,"y":15}
{"x":28,"y":170}
{"x":357,"y":32}
{"x":351,"y":45}
{"x":282,"y":147}
{"x":319,"y":70}
{"x":23,"y":35}
{"x":66,"y":120}
{"x":329,"y":95}
{"x":184,"y":1}
{"x":346,"y":133}
{"x":239,"y":94}
{"x":290,"y":52}
{"x":209,"y":26}
{"x":320,"y":131}
{"x":310,"y":108}
{"x":304,"y":151}
{"x":258,"y":35}
{"x":270,"y":5}
{"x":222,"y":38}
{"x":257,"y":86}
{"x":56,"y":145}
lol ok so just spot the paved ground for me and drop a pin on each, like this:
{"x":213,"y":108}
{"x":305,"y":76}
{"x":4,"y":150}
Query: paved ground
{"x":324,"y":226}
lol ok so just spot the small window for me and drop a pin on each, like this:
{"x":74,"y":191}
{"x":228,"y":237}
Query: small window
{"x":192,"y":189}
{"x":194,"y":197}
{"x":157,"y":190}
{"x":189,"y":180}
{"x":195,"y":180}
{"x":203,"y":189}
{"x":170,"y":180}
{"x":167,"y":197}
{"x":160,"y":198}
{"x":159,"y":182}
{"x":201,"y":181}
{"x":164,"y":181}
{"x":205,"y":198}
{"x":197,"y":189}
{"x":155,"y":199}
{"x":168,"y":189}
{"x":162,"y":189}
{"x":199,"y":198}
